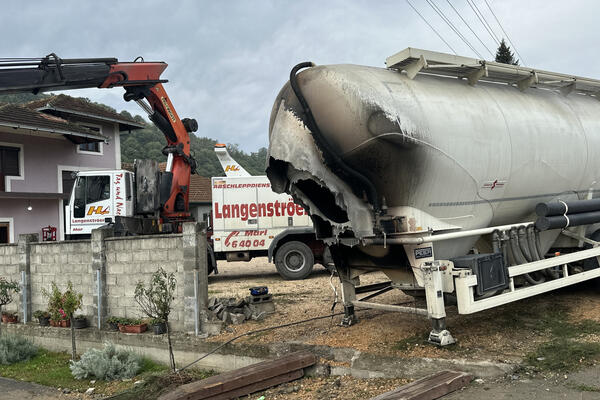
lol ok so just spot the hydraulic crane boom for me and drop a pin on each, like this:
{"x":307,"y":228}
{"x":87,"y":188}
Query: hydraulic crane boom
{"x":142,"y":84}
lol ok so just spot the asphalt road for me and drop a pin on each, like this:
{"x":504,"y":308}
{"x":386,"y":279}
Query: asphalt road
{"x":17,"y":390}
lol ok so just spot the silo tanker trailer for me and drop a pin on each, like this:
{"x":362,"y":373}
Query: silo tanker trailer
{"x":458,"y":178}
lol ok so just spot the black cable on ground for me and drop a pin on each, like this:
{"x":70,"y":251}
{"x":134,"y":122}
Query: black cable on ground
{"x":259,"y":331}
{"x":268,"y":329}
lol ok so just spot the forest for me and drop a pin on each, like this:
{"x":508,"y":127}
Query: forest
{"x":147,"y":143}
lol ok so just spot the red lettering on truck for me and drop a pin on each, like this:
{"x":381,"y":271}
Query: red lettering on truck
{"x":245,"y":211}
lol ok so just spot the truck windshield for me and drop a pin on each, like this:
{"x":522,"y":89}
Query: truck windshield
{"x":90,"y":189}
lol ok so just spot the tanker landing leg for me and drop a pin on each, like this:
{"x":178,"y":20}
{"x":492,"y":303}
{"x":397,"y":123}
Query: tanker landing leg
{"x":436,"y":310}
{"x":433,"y":281}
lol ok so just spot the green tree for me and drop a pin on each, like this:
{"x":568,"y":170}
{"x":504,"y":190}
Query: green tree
{"x":504,"y":55}
{"x":156,"y":300}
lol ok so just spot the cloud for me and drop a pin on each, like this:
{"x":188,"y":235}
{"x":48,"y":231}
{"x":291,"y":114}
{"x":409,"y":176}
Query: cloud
{"x":228,"y":60}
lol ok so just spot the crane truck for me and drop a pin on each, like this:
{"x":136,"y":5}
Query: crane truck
{"x":146,"y":201}
{"x":461,"y":179}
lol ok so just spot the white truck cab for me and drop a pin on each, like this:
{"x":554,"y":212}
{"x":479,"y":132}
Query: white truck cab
{"x":97,"y":198}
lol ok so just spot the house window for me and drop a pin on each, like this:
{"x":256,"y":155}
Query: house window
{"x":93,"y":147}
{"x":9,"y":161}
{"x":4,"y":232}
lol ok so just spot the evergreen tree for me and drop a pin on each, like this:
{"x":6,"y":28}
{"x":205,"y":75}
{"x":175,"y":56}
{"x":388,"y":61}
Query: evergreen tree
{"x":504,"y":55}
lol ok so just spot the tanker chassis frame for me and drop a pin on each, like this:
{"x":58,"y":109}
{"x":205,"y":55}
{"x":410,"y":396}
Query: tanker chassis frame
{"x":441,"y":276}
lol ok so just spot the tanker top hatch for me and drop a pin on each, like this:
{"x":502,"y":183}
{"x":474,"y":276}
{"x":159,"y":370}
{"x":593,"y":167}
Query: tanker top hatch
{"x":415,"y":61}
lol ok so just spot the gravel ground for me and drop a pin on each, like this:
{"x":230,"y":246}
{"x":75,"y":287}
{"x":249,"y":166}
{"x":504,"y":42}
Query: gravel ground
{"x":480,"y":336}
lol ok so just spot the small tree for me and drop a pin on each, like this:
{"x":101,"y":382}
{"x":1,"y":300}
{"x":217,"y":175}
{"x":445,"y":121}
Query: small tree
{"x":62,"y":305}
{"x":156,"y":300}
{"x":7,"y":291}
{"x":504,"y":55}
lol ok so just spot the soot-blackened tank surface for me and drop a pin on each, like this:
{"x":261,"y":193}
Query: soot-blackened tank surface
{"x":470,"y":156}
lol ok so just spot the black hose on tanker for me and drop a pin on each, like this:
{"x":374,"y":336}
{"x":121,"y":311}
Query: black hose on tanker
{"x":520,"y":258}
{"x":332,"y":160}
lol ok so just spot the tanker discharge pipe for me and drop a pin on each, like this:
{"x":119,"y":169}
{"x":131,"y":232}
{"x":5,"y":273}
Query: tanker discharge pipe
{"x":562,"y":214}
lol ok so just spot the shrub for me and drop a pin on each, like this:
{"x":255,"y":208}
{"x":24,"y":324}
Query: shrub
{"x":106,"y":364}
{"x":15,"y":348}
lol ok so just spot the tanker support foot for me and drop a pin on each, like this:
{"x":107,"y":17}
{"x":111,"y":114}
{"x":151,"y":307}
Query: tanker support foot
{"x":349,"y":316}
{"x":439,"y":335}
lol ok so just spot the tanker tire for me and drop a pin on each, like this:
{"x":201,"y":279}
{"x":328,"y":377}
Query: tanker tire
{"x":294,"y":260}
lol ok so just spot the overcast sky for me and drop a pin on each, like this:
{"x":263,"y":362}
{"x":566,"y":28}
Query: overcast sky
{"x":228,"y":59}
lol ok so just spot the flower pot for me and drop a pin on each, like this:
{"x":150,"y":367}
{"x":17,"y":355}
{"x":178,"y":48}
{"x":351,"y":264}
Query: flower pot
{"x":160,"y":328}
{"x":44,"y":321}
{"x":54,"y":323}
{"x":133,"y":328}
{"x":9,"y":319}
{"x":80,"y":323}
{"x":65,"y":323}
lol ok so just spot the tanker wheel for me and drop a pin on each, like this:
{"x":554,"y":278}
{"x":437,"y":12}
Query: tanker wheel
{"x":294,"y":260}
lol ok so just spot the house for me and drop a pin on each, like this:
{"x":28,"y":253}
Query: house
{"x":42,"y":144}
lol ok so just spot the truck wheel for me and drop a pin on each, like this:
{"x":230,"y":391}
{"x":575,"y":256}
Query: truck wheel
{"x":294,"y":260}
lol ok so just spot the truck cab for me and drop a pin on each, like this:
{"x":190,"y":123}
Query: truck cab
{"x":97,"y":198}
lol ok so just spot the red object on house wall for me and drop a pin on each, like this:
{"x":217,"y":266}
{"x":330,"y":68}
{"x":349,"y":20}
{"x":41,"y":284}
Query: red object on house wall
{"x":49,"y":234}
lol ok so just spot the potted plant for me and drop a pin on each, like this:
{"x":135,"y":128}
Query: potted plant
{"x":113,"y":323}
{"x":130,"y":325}
{"x":158,"y":326}
{"x":43,"y":317}
{"x":10,"y":318}
{"x":7,"y":290}
{"x":80,"y":322}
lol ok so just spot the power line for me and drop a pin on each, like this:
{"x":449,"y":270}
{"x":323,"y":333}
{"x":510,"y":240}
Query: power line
{"x":451,"y":25}
{"x":503,"y":31}
{"x":432,"y":28}
{"x":485,"y":20}
{"x":469,"y":26}
{"x":475,"y":9}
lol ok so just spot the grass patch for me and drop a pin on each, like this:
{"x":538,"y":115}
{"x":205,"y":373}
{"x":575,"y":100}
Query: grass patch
{"x":564,"y":355}
{"x":411,"y":342}
{"x":583,"y":388}
{"x":564,"y":352}
{"x":52,"y":369}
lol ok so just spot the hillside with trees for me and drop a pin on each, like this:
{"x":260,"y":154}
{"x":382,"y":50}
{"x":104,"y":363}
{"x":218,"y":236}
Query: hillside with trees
{"x":148,"y":143}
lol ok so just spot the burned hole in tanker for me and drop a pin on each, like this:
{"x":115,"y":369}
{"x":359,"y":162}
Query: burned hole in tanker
{"x":317,"y":194}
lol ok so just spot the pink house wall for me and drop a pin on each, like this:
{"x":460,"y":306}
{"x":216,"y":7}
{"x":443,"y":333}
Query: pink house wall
{"x":42,"y":157}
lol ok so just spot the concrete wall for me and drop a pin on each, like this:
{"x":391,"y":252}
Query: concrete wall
{"x":133,"y":259}
{"x":9,"y":268}
{"x":113,"y":265}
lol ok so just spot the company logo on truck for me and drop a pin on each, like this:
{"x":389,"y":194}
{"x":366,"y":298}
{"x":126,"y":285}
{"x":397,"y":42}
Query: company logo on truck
{"x":231,"y":168}
{"x":253,"y":210}
{"x":98,"y":210}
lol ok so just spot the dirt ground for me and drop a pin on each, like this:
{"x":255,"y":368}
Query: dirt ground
{"x":502,"y":334}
